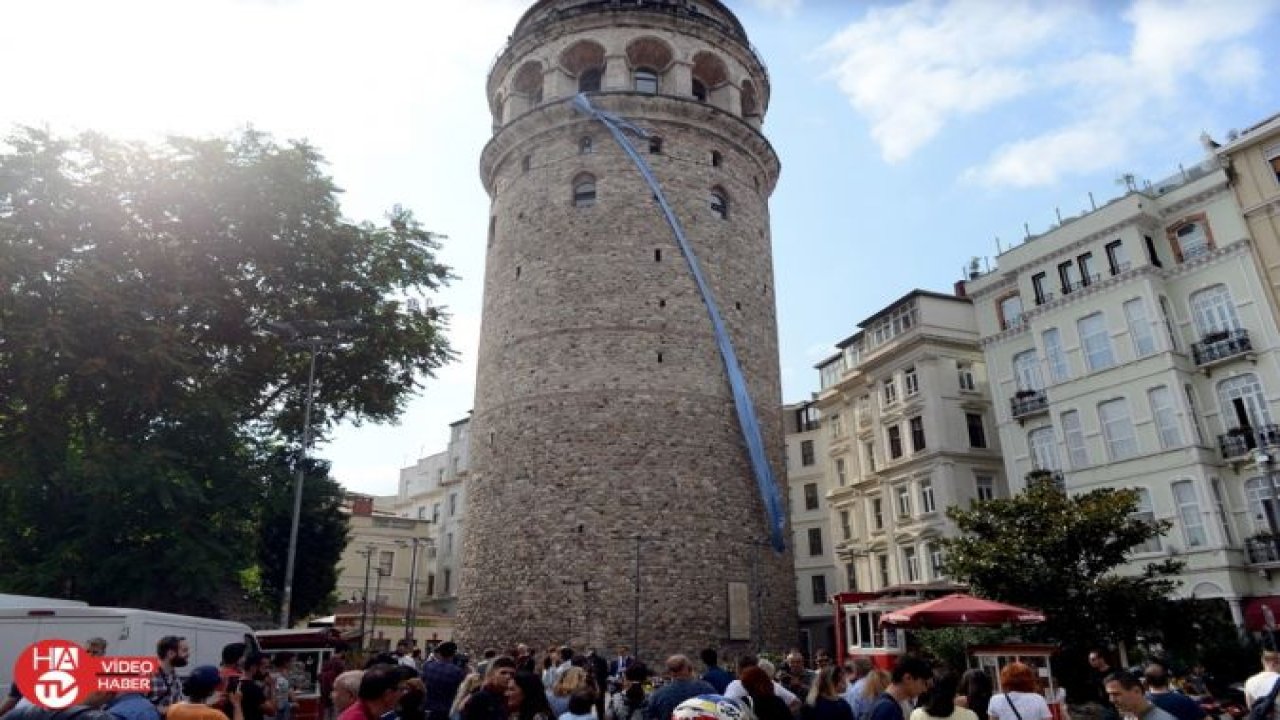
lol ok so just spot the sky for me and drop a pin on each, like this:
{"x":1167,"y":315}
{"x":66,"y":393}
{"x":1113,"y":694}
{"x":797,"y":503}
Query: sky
{"x":913,"y":135}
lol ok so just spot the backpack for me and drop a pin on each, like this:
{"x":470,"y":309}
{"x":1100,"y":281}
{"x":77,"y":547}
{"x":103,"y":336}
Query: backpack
{"x":1262,"y":709}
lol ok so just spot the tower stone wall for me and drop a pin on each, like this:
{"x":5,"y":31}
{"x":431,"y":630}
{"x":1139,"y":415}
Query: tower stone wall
{"x":611,"y":496}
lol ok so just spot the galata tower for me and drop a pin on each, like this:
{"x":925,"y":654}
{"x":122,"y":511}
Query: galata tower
{"x":612,"y":498}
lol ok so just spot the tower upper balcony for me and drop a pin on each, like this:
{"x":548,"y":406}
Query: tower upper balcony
{"x":694,"y":50}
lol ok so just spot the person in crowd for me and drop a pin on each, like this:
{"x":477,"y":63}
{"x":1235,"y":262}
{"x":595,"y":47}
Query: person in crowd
{"x":441,"y":676}
{"x":856,"y":672}
{"x":173,"y":652}
{"x":526,"y":698}
{"x":203,"y":701}
{"x":404,"y":654}
{"x":333,"y":667}
{"x":1020,"y":699}
{"x":618,"y":666}
{"x":1166,"y":698}
{"x":256,"y":698}
{"x":281,"y":686}
{"x":1124,"y":689}
{"x":573,"y":680}
{"x":565,"y":654}
{"x":581,"y":706}
{"x":878,"y":681}
{"x":910,"y":678}
{"x":550,"y":662}
{"x":1260,"y":685}
{"x":490,"y":701}
{"x":974,"y":691}
{"x":380,"y":690}
{"x":715,"y":676}
{"x":795,"y":676}
{"x":413,"y":699}
{"x":1099,"y":669}
{"x":825,"y":700}
{"x":346,"y":690}
{"x":598,"y":668}
{"x":738,"y":691}
{"x":680,"y":686}
{"x":629,"y":702}
{"x":524,"y":658}
{"x":941,"y":703}
{"x":760,"y":693}
{"x":230,"y":666}
{"x":470,"y":684}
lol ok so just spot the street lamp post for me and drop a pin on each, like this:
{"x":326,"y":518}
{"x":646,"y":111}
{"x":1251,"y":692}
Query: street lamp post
{"x":364,"y":609}
{"x":314,"y":343}
{"x":410,"y":610}
{"x":377,"y":593}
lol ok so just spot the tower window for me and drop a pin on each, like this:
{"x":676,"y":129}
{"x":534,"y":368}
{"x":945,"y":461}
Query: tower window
{"x":525,"y":162}
{"x":589,"y":80}
{"x":699,"y":90}
{"x":719,"y":203}
{"x":584,"y":145}
{"x":645,"y":81}
{"x":716,"y":158}
{"x":655,"y":146}
{"x":584,"y":191}
{"x":657,"y":255}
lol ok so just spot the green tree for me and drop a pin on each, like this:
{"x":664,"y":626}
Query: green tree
{"x":143,"y":400}
{"x":1059,"y":553}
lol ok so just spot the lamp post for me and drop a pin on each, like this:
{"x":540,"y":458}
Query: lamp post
{"x":364,"y":609}
{"x":410,"y":610}
{"x":377,"y":593}
{"x":314,"y":342}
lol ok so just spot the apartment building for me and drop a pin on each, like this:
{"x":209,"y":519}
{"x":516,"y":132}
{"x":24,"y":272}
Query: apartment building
{"x":434,"y":490}
{"x":815,"y":576}
{"x":1134,"y":346}
{"x":1253,"y":160}
{"x":910,"y":432}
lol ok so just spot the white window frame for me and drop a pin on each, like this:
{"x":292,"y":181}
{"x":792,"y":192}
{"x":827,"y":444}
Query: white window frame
{"x":903,"y":504}
{"x":1140,"y":332}
{"x":1214,"y":310}
{"x":1095,"y":342}
{"x":1258,"y":498}
{"x":1117,"y":429}
{"x":911,"y":563}
{"x":1043,"y":447}
{"x":1192,"y":239}
{"x":842,"y":475}
{"x":1146,"y":511}
{"x":889,"y":391}
{"x":1055,"y":357}
{"x":1073,"y":437}
{"x":1187,"y":499}
{"x":1026,"y":371}
{"x":1247,"y":387}
{"x":936,"y":560}
{"x":911,"y":381}
{"x":927,"y":502}
{"x":984,"y":486}
{"x":964,"y":376}
{"x":1165,"y":416}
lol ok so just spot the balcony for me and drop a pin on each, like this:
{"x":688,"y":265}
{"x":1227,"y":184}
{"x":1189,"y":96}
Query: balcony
{"x":1262,"y":549}
{"x":1026,"y":403}
{"x":1238,"y":442}
{"x":1222,"y":345}
{"x":1080,"y":284}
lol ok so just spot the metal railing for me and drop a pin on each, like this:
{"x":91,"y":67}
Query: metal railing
{"x":1221,"y":345}
{"x":1238,"y":442}
{"x":1262,"y":550}
{"x":1050,"y":476}
{"x":1028,"y":402}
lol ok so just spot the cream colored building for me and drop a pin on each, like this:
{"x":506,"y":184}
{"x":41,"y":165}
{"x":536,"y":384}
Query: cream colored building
{"x":434,"y":490}
{"x":910,"y":432}
{"x":1133,"y":346}
{"x":816,"y":575}
{"x":1254,"y":161}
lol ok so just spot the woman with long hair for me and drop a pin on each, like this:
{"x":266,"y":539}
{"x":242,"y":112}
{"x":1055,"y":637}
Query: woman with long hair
{"x":941,"y":704}
{"x":630,"y":702}
{"x":825,"y":701}
{"x":974,"y":691}
{"x":526,"y":698}
{"x":1021,"y":699}
{"x":573,"y":679}
{"x":469,"y":685}
{"x":765,"y":703}
{"x":877,"y":682}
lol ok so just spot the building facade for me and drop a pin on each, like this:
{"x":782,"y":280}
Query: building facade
{"x":911,"y":432}
{"x":810,"y":483}
{"x":1253,"y":159}
{"x":1134,"y":346}
{"x":609,"y":481}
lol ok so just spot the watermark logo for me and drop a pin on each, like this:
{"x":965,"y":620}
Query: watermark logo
{"x":57,"y":674}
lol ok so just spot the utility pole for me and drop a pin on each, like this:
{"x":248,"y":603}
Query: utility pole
{"x":364,"y":610}
{"x":377,"y":593}
{"x":411,"y":610}
{"x":323,"y":334}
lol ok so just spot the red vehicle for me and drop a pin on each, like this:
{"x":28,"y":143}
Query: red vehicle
{"x":857,"y":621}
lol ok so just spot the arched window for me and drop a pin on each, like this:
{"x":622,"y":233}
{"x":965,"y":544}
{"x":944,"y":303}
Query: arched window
{"x":719,"y":203}
{"x":645,"y":80}
{"x":589,"y":80}
{"x":584,"y":191}
{"x":699,"y":90}
{"x":1261,"y":500}
{"x":1214,"y":310}
{"x":750,"y":104}
{"x":1243,"y":403}
{"x":584,"y":145}
{"x":1044,"y":449}
{"x":1026,"y":371}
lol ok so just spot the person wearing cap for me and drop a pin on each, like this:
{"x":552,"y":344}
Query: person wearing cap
{"x":203,"y":701}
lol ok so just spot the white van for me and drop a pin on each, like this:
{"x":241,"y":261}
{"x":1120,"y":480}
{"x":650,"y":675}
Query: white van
{"x":127,"y":632}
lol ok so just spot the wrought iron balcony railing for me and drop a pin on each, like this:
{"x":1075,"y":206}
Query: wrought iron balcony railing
{"x":1028,"y":402}
{"x":1237,"y":443}
{"x":1221,"y":345}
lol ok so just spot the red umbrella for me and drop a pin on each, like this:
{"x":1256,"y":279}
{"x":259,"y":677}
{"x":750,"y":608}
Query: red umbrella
{"x":959,"y":609}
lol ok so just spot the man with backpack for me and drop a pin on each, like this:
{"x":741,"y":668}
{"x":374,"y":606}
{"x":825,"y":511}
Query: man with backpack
{"x":1260,"y":690}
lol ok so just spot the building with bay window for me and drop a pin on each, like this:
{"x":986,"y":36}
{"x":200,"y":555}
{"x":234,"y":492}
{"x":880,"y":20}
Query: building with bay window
{"x":910,"y":431}
{"x":1134,"y":346}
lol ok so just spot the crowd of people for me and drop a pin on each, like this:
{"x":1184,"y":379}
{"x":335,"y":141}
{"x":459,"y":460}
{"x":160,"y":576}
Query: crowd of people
{"x":562,"y":684}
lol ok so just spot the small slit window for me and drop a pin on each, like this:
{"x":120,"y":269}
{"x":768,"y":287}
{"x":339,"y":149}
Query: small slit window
{"x":655,"y":146}
{"x":584,"y":191}
{"x":584,"y":145}
{"x":525,"y":162}
{"x":719,"y":203}
{"x":716,"y":158}
{"x":645,"y":81}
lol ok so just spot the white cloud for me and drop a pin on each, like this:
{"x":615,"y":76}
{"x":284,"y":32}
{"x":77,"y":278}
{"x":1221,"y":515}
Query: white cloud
{"x":910,"y":69}
{"x":785,"y":8}
{"x":913,"y":69}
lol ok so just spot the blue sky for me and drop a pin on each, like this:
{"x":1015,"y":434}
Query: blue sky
{"x":912,"y":134}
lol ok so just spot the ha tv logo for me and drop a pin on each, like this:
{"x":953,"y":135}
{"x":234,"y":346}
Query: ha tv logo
{"x":57,"y":674}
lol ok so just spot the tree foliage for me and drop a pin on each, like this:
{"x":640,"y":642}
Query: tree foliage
{"x":143,"y":398}
{"x":1060,"y":554}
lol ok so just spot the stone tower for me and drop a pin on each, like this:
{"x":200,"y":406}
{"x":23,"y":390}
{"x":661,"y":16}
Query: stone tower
{"x":611,"y":497}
